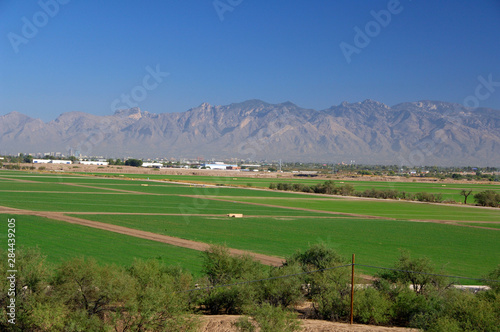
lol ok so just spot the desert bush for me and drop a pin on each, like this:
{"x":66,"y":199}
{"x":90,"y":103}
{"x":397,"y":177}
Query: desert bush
{"x":371,"y":307}
{"x":270,"y":319}
{"x":283,"y":291}
{"x":221,"y":268}
{"x":472,"y":312}
{"x":488,"y":198}
{"x":417,"y":272}
{"x":316,"y":257}
{"x":82,"y":284}
{"x":428,"y":197}
{"x":329,"y":289}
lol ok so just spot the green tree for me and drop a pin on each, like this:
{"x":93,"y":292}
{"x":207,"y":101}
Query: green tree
{"x":488,"y":198}
{"x":417,"y":272}
{"x":84,"y":285}
{"x":133,"y":162}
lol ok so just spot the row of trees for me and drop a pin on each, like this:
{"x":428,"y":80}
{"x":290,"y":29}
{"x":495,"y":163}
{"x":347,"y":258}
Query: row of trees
{"x":330,"y":188}
{"x":81,"y":295}
{"x":483,"y":198}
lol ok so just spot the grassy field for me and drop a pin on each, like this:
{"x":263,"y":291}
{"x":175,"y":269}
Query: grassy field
{"x":387,"y":208}
{"x":61,"y":241}
{"x":375,"y":242}
{"x":449,"y":191}
{"x":277,"y":223}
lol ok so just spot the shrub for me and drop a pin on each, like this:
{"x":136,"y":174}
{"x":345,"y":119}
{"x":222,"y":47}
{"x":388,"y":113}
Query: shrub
{"x":415,"y":272}
{"x":283,"y":291}
{"x":371,"y":307}
{"x":222,"y":268}
{"x":488,"y":198}
{"x":472,"y":312}
{"x":316,"y":257}
{"x":271,"y":319}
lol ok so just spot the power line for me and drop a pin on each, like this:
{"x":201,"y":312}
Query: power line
{"x":425,"y":273}
{"x":332,"y":268}
{"x":265,"y":279}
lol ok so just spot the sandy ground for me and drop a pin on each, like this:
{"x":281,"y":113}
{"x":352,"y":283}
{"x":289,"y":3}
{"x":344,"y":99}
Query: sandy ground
{"x":224,"y":323}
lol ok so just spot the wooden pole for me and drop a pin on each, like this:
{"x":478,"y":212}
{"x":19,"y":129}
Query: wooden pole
{"x":352,"y":290}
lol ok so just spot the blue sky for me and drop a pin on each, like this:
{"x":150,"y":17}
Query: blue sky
{"x":86,"y":55}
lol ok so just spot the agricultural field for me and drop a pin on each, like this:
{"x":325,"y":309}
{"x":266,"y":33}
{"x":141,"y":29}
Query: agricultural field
{"x":449,"y":190}
{"x":59,"y":213}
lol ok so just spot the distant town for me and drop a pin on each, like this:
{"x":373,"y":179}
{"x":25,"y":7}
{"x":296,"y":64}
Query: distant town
{"x":308,"y":169}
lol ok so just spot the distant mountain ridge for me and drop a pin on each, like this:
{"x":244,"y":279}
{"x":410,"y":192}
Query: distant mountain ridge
{"x":370,"y":132}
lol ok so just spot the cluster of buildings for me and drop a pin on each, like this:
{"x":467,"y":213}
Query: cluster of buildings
{"x":103,"y":162}
{"x":68,"y":162}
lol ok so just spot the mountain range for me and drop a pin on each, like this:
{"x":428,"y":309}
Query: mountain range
{"x":368,"y":132}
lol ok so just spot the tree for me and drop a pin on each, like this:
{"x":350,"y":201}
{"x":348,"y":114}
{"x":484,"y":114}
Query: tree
{"x":85,"y":286}
{"x":28,"y":159}
{"x":488,"y":198}
{"x":466,"y":194}
{"x":418,"y":272}
{"x":133,"y":162}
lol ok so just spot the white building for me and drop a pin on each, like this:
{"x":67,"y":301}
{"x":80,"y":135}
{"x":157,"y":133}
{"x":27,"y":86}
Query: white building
{"x":101,"y":163}
{"x":155,"y":165}
{"x":41,"y":161}
{"x":219,"y":165}
{"x":66,"y":162}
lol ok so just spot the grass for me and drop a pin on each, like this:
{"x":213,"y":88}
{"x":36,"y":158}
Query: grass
{"x":449,"y":190}
{"x":387,"y":208}
{"x":375,"y":242}
{"x":60,"y":241}
{"x":490,"y":225}
{"x":129,"y":203}
{"x":277,"y":231}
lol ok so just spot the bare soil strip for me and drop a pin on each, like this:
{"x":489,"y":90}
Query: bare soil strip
{"x":116,"y":190}
{"x":200,"y":246}
{"x":18,"y":180}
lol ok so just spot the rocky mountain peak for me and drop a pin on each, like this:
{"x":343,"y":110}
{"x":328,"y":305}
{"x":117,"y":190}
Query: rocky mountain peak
{"x":132,"y":113}
{"x":363,"y":131}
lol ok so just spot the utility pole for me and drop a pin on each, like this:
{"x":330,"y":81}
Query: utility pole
{"x":352,"y":290}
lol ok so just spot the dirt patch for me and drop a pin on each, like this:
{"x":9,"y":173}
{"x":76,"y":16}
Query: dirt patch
{"x":224,"y":323}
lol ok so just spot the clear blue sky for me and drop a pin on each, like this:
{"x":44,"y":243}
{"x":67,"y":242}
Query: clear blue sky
{"x":86,"y":54}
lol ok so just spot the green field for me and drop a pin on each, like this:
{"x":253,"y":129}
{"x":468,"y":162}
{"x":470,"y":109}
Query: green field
{"x":60,"y":241}
{"x":450,"y":191}
{"x":275,"y":223}
{"x":375,"y":242}
{"x":387,"y":208}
